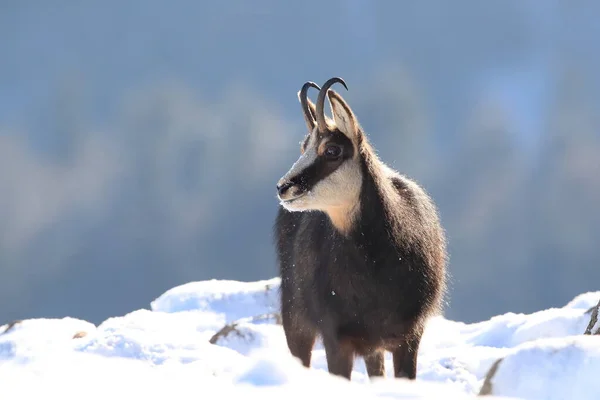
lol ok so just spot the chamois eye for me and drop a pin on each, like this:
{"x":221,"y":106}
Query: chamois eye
{"x":333,"y":151}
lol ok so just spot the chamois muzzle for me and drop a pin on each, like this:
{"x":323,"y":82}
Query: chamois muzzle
{"x":283,"y":187}
{"x":290,"y":189}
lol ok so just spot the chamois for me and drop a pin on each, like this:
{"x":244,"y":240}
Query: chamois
{"x":361,"y":251}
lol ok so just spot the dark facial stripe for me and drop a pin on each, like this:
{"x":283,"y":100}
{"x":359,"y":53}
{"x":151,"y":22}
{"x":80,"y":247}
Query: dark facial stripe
{"x":322,"y":167}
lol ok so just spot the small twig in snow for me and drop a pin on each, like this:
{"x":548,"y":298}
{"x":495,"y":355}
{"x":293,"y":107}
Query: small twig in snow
{"x":224,"y":331}
{"x":232,"y":327}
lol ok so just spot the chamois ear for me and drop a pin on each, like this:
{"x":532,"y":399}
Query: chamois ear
{"x":344,"y":118}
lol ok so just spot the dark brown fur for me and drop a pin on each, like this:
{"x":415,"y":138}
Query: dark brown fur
{"x":370,"y":289}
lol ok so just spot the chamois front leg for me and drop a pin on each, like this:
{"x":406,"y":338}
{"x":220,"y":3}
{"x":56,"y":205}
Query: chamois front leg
{"x":340,"y":358}
{"x":301,"y":346}
{"x":300,"y":336}
{"x":375,"y":364}
{"x":405,"y":357}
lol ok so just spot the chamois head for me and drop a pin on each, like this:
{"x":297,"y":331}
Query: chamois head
{"x":327,"y":176}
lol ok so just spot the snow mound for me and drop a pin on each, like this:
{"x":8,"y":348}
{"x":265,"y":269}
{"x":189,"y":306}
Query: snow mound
{"x":159,"y":338}
{"x":584,"y":301}
{"x":226,"y":337}
{"x":23,"y":340}
{"x":222,"y":300}
{"x":550,"y":369}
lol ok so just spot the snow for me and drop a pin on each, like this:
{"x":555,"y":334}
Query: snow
{"x":178,"y":349}
{"x":558,"y":368}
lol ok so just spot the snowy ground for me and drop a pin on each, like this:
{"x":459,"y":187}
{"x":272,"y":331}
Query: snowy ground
{"x":165,"y":352}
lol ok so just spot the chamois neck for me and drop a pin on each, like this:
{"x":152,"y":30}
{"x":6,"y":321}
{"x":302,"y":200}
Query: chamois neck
{"x":377,"y":190}
{"x":343,"y":218}
{"x":367,"y":210}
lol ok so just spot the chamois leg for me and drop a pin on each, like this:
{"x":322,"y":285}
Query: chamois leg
{"x":375,"y":364}
{"x":301,"y":346}
{"x":340,"y":358}
{"x":405,"y":357}
{"x":300,"y":338}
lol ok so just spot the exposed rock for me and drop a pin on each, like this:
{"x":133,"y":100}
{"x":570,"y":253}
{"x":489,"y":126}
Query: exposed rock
{"x":80,"y":334}
{"x":11,"y":325}
{"x":593,"y":321}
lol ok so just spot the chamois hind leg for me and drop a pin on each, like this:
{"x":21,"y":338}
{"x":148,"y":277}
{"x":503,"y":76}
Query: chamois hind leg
{"x":300,"y":338}
{"x":340,"y":358}
{"x":405,"y":357}
{"x":375,"y":364}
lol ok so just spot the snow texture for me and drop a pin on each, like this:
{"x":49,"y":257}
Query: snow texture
{"x":222,"y":339}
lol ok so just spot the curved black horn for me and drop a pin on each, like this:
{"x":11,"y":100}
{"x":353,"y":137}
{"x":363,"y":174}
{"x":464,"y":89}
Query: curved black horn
{"x":308,"y":116}
{"x":321,"y":101}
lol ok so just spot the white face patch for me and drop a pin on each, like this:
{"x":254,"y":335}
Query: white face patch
{"x":338,"y":193}
{"x":340,"y":189}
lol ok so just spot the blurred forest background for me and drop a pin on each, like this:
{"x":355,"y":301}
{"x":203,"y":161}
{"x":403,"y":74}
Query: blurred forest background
{"x":140,"y":141}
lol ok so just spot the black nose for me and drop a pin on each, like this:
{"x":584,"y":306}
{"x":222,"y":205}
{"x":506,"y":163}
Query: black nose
{"x":283,"y":187}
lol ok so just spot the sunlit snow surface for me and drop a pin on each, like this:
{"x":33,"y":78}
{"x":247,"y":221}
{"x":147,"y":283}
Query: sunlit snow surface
{"x":165,"y":353}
